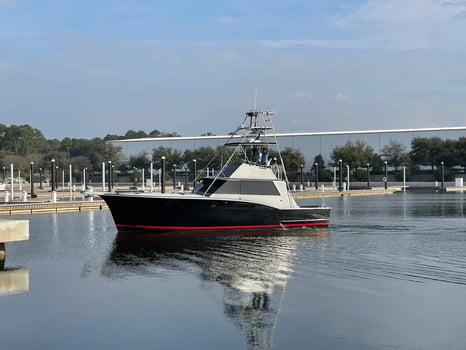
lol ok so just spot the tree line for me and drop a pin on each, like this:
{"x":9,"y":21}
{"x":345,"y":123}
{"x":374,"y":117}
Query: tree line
{"x":21,"y":144}
{"x":425,"y":153}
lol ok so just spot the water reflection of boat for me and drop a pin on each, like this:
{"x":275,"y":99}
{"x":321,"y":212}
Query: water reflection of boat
{"x":246,"y":193}
{"x":14,"y":280}
{"x":253,"y":270}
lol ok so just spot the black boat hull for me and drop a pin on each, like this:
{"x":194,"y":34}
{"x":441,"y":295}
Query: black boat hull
{"x":158,"y":214}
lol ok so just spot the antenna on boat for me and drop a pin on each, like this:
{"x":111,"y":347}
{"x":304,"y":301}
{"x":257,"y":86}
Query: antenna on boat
{"x":255,"y":99}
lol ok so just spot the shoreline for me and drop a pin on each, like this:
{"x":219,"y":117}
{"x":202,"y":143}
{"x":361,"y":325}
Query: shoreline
{"x":77,"y":201}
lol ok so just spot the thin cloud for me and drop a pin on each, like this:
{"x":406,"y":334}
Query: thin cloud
{"x":154,"y":42}
{"x":224,"y":20}
{"x":301,"y":95}
{"x":342,"y":98}
{"x":310,"y":43}
{"x":9,"y":2}
{"x":407,"y":24}
{"x":383,"y":11}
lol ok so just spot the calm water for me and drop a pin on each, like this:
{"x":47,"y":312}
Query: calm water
{"x":390,"y":273}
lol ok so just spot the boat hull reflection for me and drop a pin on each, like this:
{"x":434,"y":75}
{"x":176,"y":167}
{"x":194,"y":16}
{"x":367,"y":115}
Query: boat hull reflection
{"x":253,"y":269}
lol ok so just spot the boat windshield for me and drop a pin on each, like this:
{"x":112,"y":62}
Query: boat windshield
{"x":208,"y":186}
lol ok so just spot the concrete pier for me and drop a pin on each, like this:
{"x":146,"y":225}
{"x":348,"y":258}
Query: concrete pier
{"x":12,"y":231}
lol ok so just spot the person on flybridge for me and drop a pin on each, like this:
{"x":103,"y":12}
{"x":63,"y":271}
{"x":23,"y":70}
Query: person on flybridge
{"x":264,"y":156}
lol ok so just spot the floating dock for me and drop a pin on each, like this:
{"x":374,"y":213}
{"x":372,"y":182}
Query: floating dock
{"x":49,"y":207}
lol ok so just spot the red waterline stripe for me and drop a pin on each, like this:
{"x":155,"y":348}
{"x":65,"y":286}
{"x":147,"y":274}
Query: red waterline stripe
{"x":221,"y":227}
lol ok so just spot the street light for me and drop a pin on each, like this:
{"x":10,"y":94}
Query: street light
{"x":386,"y":175}
{"x":317,"y":175}
{"x":195,"y":172}
{"x":162,"y":180}
{"x":32,"y":181}
{"x":368,"y":175}
{"x":3,"y":174}
{"x":347,"y":178}
{"x":302,"y":184}
{"x":40,"y":178}
{"x":134,"y":177}
{"x":52,"y":170}
{"x":340,"y":165}
{"x":56,"y":177}
{"x":174,"y":176}
{"x":443,"y":175}
{"x":109,"y":176}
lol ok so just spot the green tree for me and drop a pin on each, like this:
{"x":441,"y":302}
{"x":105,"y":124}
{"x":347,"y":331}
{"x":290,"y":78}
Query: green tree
{"x":461,"y":151}
{"x":172,"y":157}
{"x":205,"y":156}
{"x":139,"y":161}
{"x":395,"y":154}
{"x":131,"y":134}
{"x":293,"y":159}
{"x":426,"y":151}
{"x":319,"y":160}
{"x":450,"y":153}
{"x":22,"y":140}
{"x":355,"y":154}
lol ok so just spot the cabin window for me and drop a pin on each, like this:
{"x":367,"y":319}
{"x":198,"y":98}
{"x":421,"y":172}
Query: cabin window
{"x":236,"y":187}
{"x":230,"y":187}
{"x":259,"y":187}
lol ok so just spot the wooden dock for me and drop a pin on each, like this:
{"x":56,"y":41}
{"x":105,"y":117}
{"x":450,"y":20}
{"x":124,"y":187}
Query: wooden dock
{"x":12,"y":208}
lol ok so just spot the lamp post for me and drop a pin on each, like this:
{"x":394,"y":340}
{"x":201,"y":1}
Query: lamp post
{"x":368,"y":175}
{"x":52,"y":170}
{"x":174,"y":176}
{"x":386,"y":175}
{"x":194,"y":172}
{"x":134,"y":177}
{"x":151,"y":176}
{"x":317,"y":175}
{"x":40,"y":178}
{"x":109,"y":176}
{"x":302,"y":184}
{"x":143,"y":179}
{"x":443,"y":175}
{"x":12,"y":180}
{"x":340,"y":182}
{"x":56,"y":178}
{"x":71,"y":180}
{"x":84,"y":179}
{"x":162,"y":178}
{"x":3,"y":174}
{"x":32,"y":180}
{"x":347,"y":178}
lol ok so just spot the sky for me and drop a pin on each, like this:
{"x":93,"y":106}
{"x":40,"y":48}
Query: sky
{"x":84,"y":69}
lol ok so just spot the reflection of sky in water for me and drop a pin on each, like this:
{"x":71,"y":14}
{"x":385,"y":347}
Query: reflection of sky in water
{"x":390,"y":273}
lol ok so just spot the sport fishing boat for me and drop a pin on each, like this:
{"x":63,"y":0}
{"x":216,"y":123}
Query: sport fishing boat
{"x":249,"y":192}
